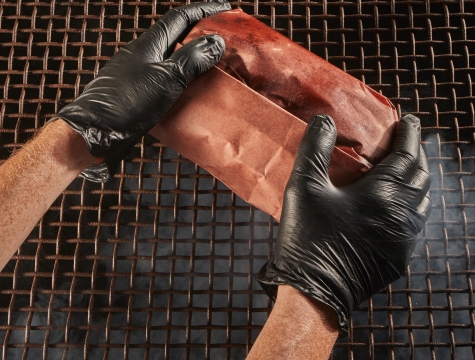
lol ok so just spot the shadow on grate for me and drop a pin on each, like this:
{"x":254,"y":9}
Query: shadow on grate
{"x":159,"y":262}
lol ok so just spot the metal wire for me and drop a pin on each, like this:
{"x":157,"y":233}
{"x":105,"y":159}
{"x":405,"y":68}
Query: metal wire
{"x":159,"y":262}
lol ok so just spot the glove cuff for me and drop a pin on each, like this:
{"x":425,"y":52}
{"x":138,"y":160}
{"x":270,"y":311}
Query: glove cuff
{"x":111,"y":146}
{"x":270,"y":277}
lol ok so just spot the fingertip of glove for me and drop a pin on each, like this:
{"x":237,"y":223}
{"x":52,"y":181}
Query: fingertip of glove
{"x":321,"y":121}
{"x":412,"y":120}
{"x":214,"y":47}
{"x":216,"y":40}
{"x":208,"y":45}
{"x":226,"y":4}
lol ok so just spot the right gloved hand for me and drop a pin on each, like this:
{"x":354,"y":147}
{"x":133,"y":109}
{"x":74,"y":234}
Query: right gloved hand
{"x":139,"y":84}
{"x":341,"y":245}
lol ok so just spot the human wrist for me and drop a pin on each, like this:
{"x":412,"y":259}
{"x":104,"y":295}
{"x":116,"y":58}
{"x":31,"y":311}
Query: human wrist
{"x":307,"y":309}
{"x":67,"y":147}
{"x":322,"y":287}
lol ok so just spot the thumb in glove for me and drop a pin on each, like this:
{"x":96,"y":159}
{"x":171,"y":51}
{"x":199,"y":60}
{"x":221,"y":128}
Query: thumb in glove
{"x":316,"y":148}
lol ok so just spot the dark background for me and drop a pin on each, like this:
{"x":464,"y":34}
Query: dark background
{"x":159,"y":262}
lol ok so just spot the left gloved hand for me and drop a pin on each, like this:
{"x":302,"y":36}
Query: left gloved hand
{"x":139,"y":84}
{"x":341,"y":245}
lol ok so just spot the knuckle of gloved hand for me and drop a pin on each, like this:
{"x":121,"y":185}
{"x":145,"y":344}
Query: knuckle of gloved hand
{"x":169,"y":94}
{"x":387,"y":209}
{"x":413,"y":224}
{"x":183,"y":13}
{"x":406,"y":158}
{"x":397,"y":171}
{"x":425,"y":206}
{"x":172,"y":72}
{"x":407,"y":222}
{"x":389,"y":182}
{"x":195,"y":61}
{"x":207,"y":50}
{"x":420,"y":219}
{"x":421,"y":179}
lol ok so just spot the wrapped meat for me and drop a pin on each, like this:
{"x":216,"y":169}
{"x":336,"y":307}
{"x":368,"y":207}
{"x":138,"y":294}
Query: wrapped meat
{"x":243,"y":120}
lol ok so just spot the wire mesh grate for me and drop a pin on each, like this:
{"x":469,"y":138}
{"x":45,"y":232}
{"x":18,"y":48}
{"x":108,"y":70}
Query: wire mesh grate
{"x":159,"y":262}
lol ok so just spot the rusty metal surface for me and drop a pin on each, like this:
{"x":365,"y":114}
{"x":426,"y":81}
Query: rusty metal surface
{"x":159,"y":262}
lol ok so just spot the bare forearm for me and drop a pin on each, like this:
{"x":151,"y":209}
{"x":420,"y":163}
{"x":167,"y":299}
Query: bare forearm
{"x":297,"y":328}
{"x":32,"y":179}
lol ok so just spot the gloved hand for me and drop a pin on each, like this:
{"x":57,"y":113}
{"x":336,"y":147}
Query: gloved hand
{"x":341,"y":245}
{"x":139,"y":84}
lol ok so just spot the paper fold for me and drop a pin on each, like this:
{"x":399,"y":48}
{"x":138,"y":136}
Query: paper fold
{"x":243,"y":120}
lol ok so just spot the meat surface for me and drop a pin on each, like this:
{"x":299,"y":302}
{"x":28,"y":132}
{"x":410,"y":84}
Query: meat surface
{"x":243,"y":121}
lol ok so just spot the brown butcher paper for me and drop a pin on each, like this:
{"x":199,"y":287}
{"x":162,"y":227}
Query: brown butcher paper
{"x":242,"y":121}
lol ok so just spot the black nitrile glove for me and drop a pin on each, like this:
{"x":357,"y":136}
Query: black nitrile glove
{"x":139,"y":84}
{"x":341,"y":245}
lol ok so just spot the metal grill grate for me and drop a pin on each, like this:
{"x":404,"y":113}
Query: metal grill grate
{"x":159,"y":262}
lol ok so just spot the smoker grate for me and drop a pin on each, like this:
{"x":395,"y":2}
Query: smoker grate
{"x":159,"y":262}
